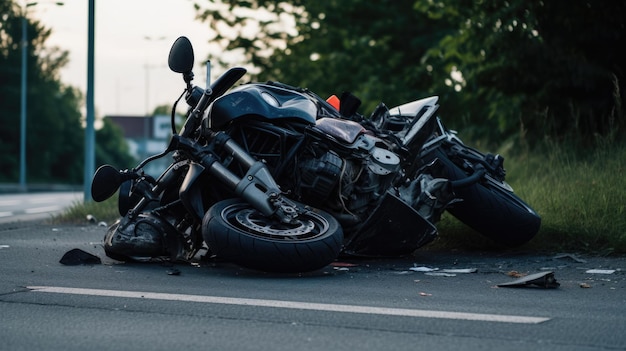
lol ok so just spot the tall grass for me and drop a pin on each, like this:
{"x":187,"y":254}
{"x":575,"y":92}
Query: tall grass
{"x":580,"y":197}
{"x":84,"y":212}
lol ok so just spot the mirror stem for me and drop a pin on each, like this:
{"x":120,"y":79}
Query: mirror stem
{"x":208,"y":74}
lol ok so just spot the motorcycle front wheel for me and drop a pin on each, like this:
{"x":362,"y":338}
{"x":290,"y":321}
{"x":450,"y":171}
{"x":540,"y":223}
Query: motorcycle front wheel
{"x":491,"y":208}
{"x":237,"y":232}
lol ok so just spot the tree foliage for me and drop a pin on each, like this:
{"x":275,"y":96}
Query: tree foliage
{"x":549,"y":67}
{"x":54,"y":133}
{"x":111,"y":148}
{"x":501,"y":68}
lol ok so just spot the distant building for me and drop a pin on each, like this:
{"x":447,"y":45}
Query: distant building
{"x":146,"y":136}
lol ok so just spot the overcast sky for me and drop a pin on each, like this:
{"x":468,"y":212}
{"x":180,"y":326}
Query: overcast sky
{"x":122,"y":51}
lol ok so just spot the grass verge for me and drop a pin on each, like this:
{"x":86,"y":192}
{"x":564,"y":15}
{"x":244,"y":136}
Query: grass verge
{"x":579,"y":196}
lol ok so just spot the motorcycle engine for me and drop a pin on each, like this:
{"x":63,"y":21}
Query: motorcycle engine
{"x":349,"y":183}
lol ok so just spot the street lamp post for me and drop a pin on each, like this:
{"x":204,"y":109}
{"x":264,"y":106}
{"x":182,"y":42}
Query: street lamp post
{"x":23,"y":103}
{"x":149,"y":115}
{"x":23,"y":92}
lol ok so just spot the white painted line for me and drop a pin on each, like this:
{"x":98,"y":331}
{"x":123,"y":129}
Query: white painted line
{"x":42,"y":209}
{"x":43,"y":200}
{"x":294,"y":305}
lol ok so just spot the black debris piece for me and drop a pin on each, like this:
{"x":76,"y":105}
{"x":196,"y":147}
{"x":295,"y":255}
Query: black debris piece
{"x":542,"y":280}
{"x":77,"y":257}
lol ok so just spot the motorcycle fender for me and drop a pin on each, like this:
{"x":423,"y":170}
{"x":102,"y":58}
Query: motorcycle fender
{"x":393,"y":229}
{"x":189,"y":194}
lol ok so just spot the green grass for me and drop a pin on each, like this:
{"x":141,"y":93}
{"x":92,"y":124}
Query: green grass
{"x":579,"y":196}
{"x":77,"y":213}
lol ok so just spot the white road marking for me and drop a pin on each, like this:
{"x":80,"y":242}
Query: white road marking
{"x":294,"y":305}
{"x":42,"y":209}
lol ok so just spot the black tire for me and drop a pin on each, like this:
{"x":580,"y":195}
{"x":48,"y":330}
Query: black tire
{"x":236,"y":232}
{"x":491,"y":209}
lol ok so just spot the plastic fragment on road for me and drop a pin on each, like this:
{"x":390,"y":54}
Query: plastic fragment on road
{"x":542,"y":280}
{"x":570,"y":256}
{"x":76,"y":257}
{"x":423,"y":269}
{"x":600,"y":271}
{"x":343,"y":264}
{"x":440,"y":274}
{"x":460,"y":270}
{"x":436,"y":272}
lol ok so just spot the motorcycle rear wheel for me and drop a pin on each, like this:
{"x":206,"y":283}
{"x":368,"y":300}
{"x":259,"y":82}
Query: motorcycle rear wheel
{"x":235,"y":231}
{"x":491,"y":209}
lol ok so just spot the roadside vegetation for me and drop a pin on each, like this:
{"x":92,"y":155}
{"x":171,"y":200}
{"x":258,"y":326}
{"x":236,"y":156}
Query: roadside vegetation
{"x":580,"y":198}
{"x":506,"y":74}
{"x":579,"y":195}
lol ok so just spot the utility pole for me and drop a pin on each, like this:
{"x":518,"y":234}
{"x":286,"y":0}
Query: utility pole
{"x":89,"y":129}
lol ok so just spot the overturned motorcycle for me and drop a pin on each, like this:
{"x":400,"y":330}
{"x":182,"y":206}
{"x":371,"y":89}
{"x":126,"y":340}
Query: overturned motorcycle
{"x":274,"y":178}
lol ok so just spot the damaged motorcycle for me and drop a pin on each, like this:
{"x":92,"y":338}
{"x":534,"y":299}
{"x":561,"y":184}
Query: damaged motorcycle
{"x":274,"y":178}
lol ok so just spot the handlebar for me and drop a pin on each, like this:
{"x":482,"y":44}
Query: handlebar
{"x":217,"y":89}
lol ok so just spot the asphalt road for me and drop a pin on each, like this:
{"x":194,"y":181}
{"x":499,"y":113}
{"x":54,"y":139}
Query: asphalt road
{"x":33,"y":206}
{"x":353,"y":304}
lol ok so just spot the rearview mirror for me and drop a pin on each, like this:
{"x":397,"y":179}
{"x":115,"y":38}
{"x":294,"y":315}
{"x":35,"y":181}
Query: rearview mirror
{"x":181,"y":56}
{"x":105,"y":183}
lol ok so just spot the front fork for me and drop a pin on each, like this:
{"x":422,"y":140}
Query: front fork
{"x":257,"y":186}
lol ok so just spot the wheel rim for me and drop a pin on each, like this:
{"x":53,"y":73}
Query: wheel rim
{"x":308,"y":225}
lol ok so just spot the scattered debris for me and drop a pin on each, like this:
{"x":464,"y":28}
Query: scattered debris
{"x":585,"y":285}
{"x":542,"y":280}
{"x":440,"y":274}
{"x":173,"y":271}
{"x":460,"y":270}
{"x":436,"y":272}
{"x":91,"y":219}
{"x":343,"y":264}
{"x":600,"y":271}
{"x":423,"y":269}
{"x":76,"y":257}
{"x":516,"y":274}
{"x":548,"y":268}
{"x":425,"y":294}
{"x":402,"y":272}
{"x":570,"y":256}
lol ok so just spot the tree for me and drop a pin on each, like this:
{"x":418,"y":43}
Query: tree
{"x":373,"y":49}
{"x":111,"y":147}
{"x":54,"y":134}
{"x":547,"y":67}
{"x":501,"y":68}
